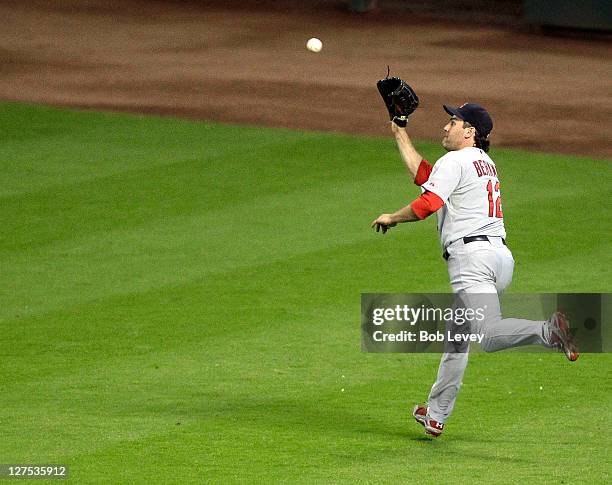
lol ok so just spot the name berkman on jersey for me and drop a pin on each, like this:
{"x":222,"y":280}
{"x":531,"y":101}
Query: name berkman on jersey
{"x":484,"y":168}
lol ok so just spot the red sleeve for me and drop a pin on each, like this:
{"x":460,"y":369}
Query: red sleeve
{"x":422,"y":173}
{"x":426,"y":204}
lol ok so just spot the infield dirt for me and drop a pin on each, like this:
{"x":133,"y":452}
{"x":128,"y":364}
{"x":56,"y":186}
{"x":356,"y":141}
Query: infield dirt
{"x":239,"y":63}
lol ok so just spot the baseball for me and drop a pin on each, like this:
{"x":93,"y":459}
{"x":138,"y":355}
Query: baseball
{"x":314,"y":45}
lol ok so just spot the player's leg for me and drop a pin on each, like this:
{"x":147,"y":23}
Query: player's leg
{"x":471,"y":269}
{"x":443,"y":394}
{"x":453,"y":363}
{"x":478,"y":271}
{"x":501,"y":333}
{"x":484,"y":270}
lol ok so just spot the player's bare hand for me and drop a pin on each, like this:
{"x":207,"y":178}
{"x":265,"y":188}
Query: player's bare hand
{"x":383,"y":222}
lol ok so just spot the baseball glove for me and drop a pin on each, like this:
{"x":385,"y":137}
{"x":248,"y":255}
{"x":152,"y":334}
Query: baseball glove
{"x":400,"y":99}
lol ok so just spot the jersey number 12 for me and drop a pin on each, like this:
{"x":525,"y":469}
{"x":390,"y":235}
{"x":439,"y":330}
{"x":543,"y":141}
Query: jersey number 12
{"x":498,"y":208}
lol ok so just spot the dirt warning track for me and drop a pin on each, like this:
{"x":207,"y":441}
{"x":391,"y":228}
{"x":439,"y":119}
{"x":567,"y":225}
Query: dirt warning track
{"x":216,"y":61}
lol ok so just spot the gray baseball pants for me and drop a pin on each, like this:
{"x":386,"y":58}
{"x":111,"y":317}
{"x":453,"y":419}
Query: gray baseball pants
{"x":479,"y":271}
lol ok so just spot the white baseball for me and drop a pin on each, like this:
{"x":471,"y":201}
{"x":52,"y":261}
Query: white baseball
{"x":314,"y":45}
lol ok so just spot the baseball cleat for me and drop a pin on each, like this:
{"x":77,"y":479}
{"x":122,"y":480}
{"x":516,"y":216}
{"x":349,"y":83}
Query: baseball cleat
{"x":561,"y":336}
{"x":432,"y":427}
{"x":420,"y":413}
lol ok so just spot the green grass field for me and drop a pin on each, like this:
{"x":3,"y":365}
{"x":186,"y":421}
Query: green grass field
{"x":180,"y":303}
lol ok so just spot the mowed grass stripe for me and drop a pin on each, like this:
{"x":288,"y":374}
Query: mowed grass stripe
{"x":291,"y":293}
{"x":182,"y":248}
{"x":243,"y":298}
{"x":99,"y":243}
{"x":153,"y":223}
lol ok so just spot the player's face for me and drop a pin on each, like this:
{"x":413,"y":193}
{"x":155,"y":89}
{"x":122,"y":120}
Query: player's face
{"x":455,"y":135}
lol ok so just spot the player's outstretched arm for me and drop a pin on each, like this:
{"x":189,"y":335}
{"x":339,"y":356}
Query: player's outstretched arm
{"x":419,"y":209}
{"x":411,"y":158}
{"x":387,"y":221}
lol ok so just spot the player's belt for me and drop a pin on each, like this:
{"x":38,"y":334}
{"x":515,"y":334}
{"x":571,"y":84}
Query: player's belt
{"x":469,"y":239}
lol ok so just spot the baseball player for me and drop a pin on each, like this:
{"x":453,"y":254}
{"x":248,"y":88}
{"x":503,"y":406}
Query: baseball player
{"x":463,"y":188}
